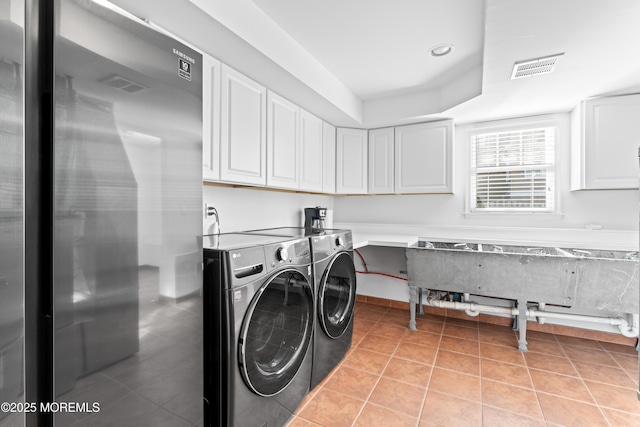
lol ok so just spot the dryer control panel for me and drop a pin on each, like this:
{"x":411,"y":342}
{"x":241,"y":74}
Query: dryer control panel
{"x":327,"y":245}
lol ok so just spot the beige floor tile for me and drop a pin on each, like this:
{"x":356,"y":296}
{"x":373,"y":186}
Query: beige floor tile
{"x":456,"y":384}
{"x":561,"y":385}
{"x":621,"y":419}
{"x":458,"y":372}
{"x":332,"y":409}
{"x":445,"y":410}
{"x":458,"y":362}
{"x":428,"y":325}
{"x":580,"y":342}
{"x":352,"y":382}
{"x":605,"y":374}
{"x":495,"y":417}
{"x":567,"y":412}
{"x":409,"y":372}
{"x":559,"y":365}
{"x":505,"y":372}
{"x":587,"y":354}
{"x":508,"y":339}
{"x":379,"y":344}
{"x":374,"y":415}
{"x":398,"y":396}
{"x":460,"y":331}
{"x":520,"y":400}
{"x":502,"y":354}
{"x":459,"y":345}
{"x":416,"y":352}
{"x":609,"y":396}
{"x":423,"y":338}
{"x":545,"y":347}
{"x":390,"y":331}
{"x":366,"y":360}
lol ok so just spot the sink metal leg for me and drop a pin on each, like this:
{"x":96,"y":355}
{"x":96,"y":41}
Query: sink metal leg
{"x":522,"y":325}
{"x":412,"y":307}
{"x":420,"y":306}
{"x":514,"y":325}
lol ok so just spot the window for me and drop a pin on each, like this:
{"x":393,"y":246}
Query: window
{"x":513,"y":171}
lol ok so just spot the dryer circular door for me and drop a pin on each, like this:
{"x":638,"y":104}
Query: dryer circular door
{"x":276,"y":332}
{"x":337,"y":295}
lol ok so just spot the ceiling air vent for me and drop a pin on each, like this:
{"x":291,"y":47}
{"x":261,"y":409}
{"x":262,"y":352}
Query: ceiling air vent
{"x":534,"y":67}
{"x":122,"y":84}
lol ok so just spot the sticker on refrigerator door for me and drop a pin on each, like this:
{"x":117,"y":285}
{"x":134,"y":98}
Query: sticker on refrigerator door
{"x":184,"y":69}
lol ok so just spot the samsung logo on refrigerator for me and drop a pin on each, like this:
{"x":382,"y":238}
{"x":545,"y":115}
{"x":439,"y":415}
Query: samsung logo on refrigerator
{"x":184,"y":56}
{"x":184,"y":64}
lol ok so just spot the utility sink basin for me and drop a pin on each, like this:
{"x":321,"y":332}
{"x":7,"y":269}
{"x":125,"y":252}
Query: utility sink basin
{"x":604,"y":280}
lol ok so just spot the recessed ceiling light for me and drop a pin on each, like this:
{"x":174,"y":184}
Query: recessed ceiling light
{"x":441,"y":50}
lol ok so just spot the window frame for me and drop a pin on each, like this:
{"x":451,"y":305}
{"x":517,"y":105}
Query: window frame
{"x":514,"y":125}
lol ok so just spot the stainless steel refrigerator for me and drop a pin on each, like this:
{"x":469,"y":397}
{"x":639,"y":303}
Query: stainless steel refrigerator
{"x":117,"y":311}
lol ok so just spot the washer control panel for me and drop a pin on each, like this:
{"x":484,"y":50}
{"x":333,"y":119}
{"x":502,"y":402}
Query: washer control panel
{"x":293,"y":252}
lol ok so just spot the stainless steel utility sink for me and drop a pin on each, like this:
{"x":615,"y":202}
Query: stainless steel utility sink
{"x":604,"y":280}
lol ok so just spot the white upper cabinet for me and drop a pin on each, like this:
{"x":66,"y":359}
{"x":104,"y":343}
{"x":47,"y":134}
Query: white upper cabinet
{"x":328,"y":158}
{"x":424,"y":158}
{"x":604,"y":143}
{"x":211,"y":119}
{"x":242,"y":129}
{"x":351,"y":161}
{"x":311,"y":153}
{"x":381,"y":162}
{"x":282,"y":142}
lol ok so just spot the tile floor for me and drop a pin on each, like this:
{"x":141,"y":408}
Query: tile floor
{"x":453,"y":372}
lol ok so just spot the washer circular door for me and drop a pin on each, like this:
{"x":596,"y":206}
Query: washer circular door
{"x":336,"y":295}
{"x":276,"y":332}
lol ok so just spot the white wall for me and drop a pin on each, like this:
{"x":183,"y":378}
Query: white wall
{"x":248,"y":208}
{"x":611,"y":209}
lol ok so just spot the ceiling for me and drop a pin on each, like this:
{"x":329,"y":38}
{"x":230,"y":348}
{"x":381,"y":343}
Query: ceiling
{"x":380,"y":49}
{"x":366,"y":63}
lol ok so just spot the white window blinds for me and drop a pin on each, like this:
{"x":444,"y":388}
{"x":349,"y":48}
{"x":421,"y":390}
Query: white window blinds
{"x":513,"y":171}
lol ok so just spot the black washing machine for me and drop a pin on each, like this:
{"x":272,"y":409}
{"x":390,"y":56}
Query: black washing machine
{"x":335,"y":283}
{"x":335,"y":293}
{"x":258,"y":328}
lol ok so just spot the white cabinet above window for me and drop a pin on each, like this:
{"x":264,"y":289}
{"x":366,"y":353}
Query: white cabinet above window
{"x":604,"y":143}
{"x":411,"y":159}
{"x":424,"y":158}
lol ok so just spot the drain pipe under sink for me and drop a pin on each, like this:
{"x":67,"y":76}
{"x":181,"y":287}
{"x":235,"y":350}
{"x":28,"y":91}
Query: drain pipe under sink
{"x":627,"y":329}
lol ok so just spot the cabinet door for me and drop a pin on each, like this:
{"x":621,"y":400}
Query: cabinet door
{"x":242,"y":130}
{"x":211,"y":119}
{"x":424,"y":158}
{"x":605,"y":143}
{"x":310,"y":152}
{"x":381,"y":164}
{"x":351,"y":161}
{"x":328,"y":158}
{"x":282,"y":142}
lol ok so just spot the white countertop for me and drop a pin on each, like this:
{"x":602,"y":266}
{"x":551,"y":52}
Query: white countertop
{"x":393,"y":240}
{"x":406,"y":236}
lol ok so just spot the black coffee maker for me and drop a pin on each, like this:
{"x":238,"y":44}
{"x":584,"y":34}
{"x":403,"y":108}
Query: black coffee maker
{"x":314,"y":217}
